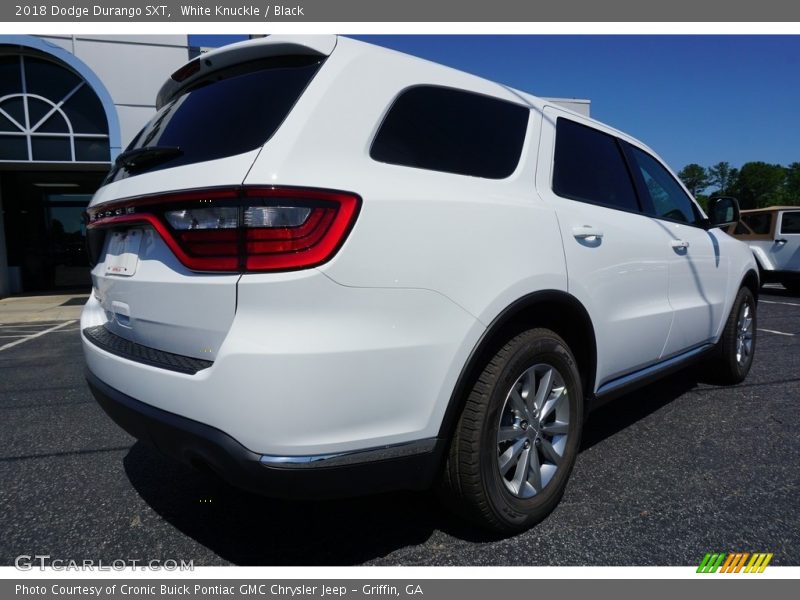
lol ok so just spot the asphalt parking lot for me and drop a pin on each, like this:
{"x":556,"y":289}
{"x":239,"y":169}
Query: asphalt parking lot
{"x":665,"y":475}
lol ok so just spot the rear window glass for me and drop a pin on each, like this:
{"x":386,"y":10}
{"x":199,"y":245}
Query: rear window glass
{"x":449,"y":130}
{"x":589,"y":167}
{"x":790,"y":222}
{"x":742,"y":229}
{"x":235,"y":112}
{"x":760,"y":223}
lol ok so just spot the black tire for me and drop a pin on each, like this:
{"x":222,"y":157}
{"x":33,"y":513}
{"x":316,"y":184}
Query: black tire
{"x":472,"y":483}
{"x":731,"y":363}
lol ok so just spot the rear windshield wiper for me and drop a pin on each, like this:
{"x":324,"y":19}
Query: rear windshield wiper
{"x":147,"y":155}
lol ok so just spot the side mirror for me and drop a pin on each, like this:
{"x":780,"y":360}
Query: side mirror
{"x":723,"y":211}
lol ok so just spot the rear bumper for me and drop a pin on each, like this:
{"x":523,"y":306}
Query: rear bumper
{"x":307,"y":368}
{"x":404,"y":466}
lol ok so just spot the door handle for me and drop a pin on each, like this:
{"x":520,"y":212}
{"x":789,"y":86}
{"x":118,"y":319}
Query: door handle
{"x":679,"y":244}
{"x":586,"y":232}
{"x":781,"y":241}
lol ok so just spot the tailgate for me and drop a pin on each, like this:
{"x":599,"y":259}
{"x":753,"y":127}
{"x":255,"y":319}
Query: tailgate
{"x":163,"y":231}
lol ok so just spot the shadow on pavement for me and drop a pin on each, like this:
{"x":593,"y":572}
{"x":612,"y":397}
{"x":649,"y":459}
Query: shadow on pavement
{"x":781,"y":292}
{"x":248,"y":529}
{"x":626,"y":410}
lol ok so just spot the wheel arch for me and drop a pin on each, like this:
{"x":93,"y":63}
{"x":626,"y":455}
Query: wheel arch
{"x":751,"y":281}
{"x":762,"y":261}
{"x":553,"y":309}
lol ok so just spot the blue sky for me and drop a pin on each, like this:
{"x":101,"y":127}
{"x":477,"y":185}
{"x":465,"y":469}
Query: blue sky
{"x":693,"y":99}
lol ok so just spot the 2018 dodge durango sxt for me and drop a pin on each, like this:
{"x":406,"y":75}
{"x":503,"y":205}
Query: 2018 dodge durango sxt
{"x":326,"y":268}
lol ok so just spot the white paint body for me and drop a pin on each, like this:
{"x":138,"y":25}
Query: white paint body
{"x":366,"y":349}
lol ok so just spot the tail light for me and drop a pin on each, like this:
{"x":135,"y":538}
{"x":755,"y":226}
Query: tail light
{"x":239,"y":229}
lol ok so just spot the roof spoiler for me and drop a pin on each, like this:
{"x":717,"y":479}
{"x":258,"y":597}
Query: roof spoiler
{"x":221,"y":58}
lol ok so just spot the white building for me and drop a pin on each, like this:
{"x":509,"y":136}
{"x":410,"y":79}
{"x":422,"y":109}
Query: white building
{"x":68,"y":104}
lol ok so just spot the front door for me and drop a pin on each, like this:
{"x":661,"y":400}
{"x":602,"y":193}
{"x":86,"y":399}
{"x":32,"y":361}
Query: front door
{"x":698,"y":273}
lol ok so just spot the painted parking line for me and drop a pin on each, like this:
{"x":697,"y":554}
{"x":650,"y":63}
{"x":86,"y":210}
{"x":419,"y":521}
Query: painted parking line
{"x":776,"y":302}
{"x":19,"y":332}
{"x":12,"y":336}
{"x":764,"y":330}
{"x":36,"y":335}
{"x":30,"y":325}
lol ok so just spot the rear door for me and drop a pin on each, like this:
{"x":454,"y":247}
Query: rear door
{"x":615,"y":260}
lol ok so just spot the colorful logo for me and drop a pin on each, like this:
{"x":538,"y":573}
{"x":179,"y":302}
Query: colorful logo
{"x":734,"y":562}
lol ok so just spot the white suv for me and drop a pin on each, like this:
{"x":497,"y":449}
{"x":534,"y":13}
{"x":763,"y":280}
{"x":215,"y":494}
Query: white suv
{"x":328,"y":268}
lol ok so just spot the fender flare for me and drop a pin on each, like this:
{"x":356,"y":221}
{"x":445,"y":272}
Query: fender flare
{"x":500,"y":329}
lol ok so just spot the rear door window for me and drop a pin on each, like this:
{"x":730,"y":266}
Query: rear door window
{"x":234,"y":111}
{"x":443,"y":129}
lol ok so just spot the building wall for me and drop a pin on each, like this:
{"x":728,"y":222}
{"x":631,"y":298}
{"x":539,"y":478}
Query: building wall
{"x":132,"y":67}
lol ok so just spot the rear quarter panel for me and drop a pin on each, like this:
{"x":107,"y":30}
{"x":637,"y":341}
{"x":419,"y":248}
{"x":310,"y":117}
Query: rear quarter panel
{"x":481,"y":243}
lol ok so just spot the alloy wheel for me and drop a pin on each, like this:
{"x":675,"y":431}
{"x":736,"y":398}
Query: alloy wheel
{"x":533,"y":430}
{"x":744,"y":334}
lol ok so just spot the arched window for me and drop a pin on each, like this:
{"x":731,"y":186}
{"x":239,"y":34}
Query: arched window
{"x":48,"y":113}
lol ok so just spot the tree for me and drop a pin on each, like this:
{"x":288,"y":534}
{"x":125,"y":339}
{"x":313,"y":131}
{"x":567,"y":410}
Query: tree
{"x":694,"y":177}
{"x":761,"y":184}
{"x":734,"y":182}
{"x":793,"y":183}
{"x":721,"y":177}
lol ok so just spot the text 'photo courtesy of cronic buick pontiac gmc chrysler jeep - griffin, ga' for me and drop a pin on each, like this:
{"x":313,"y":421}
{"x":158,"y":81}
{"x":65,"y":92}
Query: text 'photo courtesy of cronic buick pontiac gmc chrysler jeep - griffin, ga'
{"x":326,"y":268}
